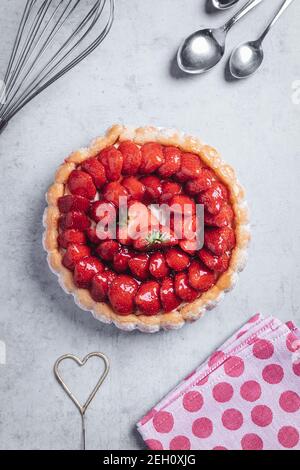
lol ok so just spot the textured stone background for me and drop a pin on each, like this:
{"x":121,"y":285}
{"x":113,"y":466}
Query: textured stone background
{"x":132,"y":79}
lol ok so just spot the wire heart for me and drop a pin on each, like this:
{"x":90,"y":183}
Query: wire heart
{"x":81,"y":363}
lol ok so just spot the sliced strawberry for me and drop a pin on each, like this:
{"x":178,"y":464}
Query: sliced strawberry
{"x":219,"y":240}
{"x":71,"y":236}
{"x":148,"y":299}
{"x":200,"y":277}
{"x":213,"y":198}
{"x":158,"y":266}
{"x":81,"y":184}
{"x":108,"y":249}
{"x":190,"y":167}
{"x":85,"y":270}
{"x":132,"y":157}
{"x":73,"y":203}
{"x":177,"y":260}
{"x":219,"y":264}
{"x":183,"y":289}
{"x":100,"y":285}
{"x":91,"y":234}
{"x":168,"y":297}
{"x":75,"y":220}
{"x":172,"y":162}
{"x":153,"y":188}
{"x":121,"y":259}
{"x":113,"y":192}
{"x":74,"y":254}
{"x":152,"y":157}
{"x":169,"y":190}
{"x":103,"y":210}
{"x":139,"y":266}
{"x":223,"y":219}
{"x":202,"y":183}
{"x":121,"y":293}
{"x":112,"y":160}
{"x":93,"y":167}
{"x":155,"y":240}
{"x":189,"y":246}
{"x":182,"y":205}
{"x":135,"y":188}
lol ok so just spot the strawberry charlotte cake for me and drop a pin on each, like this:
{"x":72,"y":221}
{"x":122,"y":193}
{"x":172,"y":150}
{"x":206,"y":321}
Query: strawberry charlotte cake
{"x":155,"y":279}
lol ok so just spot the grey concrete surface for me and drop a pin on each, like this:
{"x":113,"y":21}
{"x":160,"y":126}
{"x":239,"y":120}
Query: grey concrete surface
{"x":132,"y":79}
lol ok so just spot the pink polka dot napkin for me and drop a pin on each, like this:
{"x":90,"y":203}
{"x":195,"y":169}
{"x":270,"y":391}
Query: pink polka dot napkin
{"x":245,"y":396}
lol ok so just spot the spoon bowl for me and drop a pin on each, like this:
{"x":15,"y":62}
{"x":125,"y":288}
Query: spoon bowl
{"x":201,"y":51}
{"x":246,"y":59}
{"x":223,"y":4}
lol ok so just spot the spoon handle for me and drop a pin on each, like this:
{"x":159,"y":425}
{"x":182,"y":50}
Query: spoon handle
{"x":283,"y":7}
{"x":240,"y":13}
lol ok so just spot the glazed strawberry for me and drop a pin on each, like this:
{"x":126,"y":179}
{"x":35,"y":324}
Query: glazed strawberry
{"x":169,"y":190}
{"x":73,"y":254}
{"x":85,"y":270}
{"x":172,"y":162}
{"x":152,"y":157}
{"x":82,"y":184}
{"x":92,"y":236}
{"x":189,"y":246}
{"x":121,"y":259}
{"x":183,"y":205}
{"x":113,"y":192}
{"x":155,"y":239}
{"x":97,"y":171}
{"x":132,"y":157}
{"x":183,"y":289}
{"x":168,"y":297}
{"x":213,"y":198}
{"x":100,"y":285}
{"x":73,"y":203}
{"x":112,"y":160}
{"x":153,"y":188}
{"x":75,"y":220}
{"x":135,"y":188}
{"x":219,"y":264}
{"x":176,"y":259}
{"x":202,"y":183}
{"x":71,"y":236}
{"x":108,"y":249}
{"x":148,"y":298}
{"x":200,"y":277}
{"x":139,"y":266}
{"x":219,"y":240}
{"x":121,"y":293}
{"x":190,"y":167}
{"x":102,"y":210}
{"x":158,"y":266}
{"x":223,"y":219}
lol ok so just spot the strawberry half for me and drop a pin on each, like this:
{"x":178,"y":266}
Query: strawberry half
{"x":177,"y":260}
{"x":169,"y":190}
{"x":158,"y":266}
{"x":121,"y":259}
{"x":213,"y":198}
{"x":75,"y":220}
{"x":73,"y":203}
{"x":153,"y":188}
{"x":85,"y":270}
{"x":135,"y":188}
{"x":139,"y":266}
{"x":82,"y":184}
{"x":73,"y":254}
{"x":172,"y":162}
{"x":216,"y":263}
{"x":108,"y":249}
{"x":182,"y":204}
{"x":100,"y":285}
{"x":219,"y":240}
{"x":112,"y":160}
{"x":168,"y":297}
{"x":102,"y":210}
{"x":190,"y":167}
{"x":200,"y":277}
{"x":183,"y":289}
{"x":223,"y":219}
{"x":152,"y":157}
{"x":113,"y":192}
{"x":148,"y":299}
{"x":71,"y":236}
{"x":121,"y":293}
{"x":132,"y":157}
{"x":93,"y":167}
{"x":202,"y":183}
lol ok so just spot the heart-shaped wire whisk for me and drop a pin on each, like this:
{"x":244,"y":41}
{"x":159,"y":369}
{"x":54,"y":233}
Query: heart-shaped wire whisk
{"x":81,"y":362}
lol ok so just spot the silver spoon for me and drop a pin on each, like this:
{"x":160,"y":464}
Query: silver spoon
{"x":205,"y":48}
{"x":223,"y":4}
{"x":247,"y":58}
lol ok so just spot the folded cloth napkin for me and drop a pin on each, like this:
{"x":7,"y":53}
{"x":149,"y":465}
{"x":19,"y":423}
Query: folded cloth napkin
{"x":245,"y":396}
